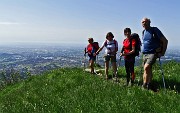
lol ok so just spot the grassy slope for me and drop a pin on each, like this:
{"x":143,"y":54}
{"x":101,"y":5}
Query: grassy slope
{"x":72,"y":90}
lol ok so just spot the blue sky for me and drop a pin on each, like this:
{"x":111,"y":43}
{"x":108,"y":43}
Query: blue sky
{"x":73,"y":21}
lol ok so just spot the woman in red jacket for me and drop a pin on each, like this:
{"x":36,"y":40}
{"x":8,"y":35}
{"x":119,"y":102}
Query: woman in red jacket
{"x":128,"y":53}
{"x":91,"y":49}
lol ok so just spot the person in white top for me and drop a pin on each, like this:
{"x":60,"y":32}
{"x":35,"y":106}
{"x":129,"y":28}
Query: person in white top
{"x":111,"y":46}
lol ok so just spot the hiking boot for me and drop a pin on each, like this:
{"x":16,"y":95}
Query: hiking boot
{"x":153,"y":87}
{"x":132,"y":82}
{"x":145,"y":86}
{"x":106,"y":77}
{"x":127,"y":81}
{"x":93,"y":73}
{"x":115,"y":79}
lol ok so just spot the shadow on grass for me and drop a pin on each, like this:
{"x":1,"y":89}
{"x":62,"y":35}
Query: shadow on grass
{"x":173,"y":85}
{"x":169,"y":84}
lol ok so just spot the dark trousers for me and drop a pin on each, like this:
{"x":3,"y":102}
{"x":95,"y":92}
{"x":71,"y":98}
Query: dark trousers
{"x":129,"y":65}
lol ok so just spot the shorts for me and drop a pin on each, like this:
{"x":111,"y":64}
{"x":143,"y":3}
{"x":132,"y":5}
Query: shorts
{"x":92,"y":58}
{"x":108,"y":58}
{"x":149,"y":59}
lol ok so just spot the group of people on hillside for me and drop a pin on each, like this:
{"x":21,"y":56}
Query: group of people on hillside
{"x":154,"y":46}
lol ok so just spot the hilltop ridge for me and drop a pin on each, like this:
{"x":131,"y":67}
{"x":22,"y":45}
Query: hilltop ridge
{"x":72,"y":90}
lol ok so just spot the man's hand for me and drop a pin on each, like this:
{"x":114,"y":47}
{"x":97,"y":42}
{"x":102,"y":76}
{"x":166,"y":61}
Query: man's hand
{"x":94,"y":54}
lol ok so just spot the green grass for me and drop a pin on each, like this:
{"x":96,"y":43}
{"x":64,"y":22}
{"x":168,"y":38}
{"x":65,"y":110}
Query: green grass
{"x":71,"y":90}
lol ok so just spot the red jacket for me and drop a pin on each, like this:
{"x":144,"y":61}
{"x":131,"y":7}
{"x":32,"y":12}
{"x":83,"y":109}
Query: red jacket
{"x":92,"y":48}
{"x":127,"y":46}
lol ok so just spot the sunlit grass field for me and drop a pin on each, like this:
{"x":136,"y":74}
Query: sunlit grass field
{"x":71,"y":90}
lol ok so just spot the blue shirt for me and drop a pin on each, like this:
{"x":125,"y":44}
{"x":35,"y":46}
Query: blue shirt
{"x":151,"y":40}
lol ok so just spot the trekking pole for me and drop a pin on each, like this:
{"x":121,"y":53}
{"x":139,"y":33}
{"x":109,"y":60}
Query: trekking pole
{"x":84,"y":58}
{"x":122,"y":49}
{"x":141,"y":69}
{"x":96,"y":59}
{"x":160,"y":63}
{"x":120,"y":61}
{"x":118,"y":67}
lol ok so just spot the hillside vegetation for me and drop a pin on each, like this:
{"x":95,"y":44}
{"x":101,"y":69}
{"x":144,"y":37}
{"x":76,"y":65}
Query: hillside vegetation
{"x":71,"y":90}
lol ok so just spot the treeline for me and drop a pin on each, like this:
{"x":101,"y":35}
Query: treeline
{"x":10,"y":76}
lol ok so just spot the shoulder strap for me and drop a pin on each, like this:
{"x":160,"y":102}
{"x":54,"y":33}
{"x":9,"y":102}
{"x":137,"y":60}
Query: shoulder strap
{"x":105,"y":44}
{"x":154,"y":32}
{"x":93,"y":45}
{"x":152,"y":29}
{"x":131,"y":42}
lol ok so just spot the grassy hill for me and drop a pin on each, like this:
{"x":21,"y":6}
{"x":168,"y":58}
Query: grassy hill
{"x":71,"y":90}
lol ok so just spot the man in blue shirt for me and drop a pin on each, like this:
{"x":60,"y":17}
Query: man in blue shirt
{"x":154,"y":46}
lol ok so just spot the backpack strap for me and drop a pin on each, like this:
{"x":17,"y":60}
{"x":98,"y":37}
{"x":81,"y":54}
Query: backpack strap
{"x":105,"y":44}
{"x":152,"y":29}
{"x":115,"y":43}
{"x":154,"y":32}
{"x":131,"y":42}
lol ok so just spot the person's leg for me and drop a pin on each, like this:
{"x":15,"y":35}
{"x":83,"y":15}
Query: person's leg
{"x":106,"y":69}
{"x":114,"y":65}
{"x":91,"y":66}
{"x":127,"y":71}
{"x":114,"y":68}
{"x":147,"y":75}
{"x":106,"y":58}
{"x":149,"y":60}
{"x":132,"y":70}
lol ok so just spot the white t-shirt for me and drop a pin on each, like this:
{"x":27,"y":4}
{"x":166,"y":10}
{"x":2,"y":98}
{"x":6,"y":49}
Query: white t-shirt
{"x":110,"y":46}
